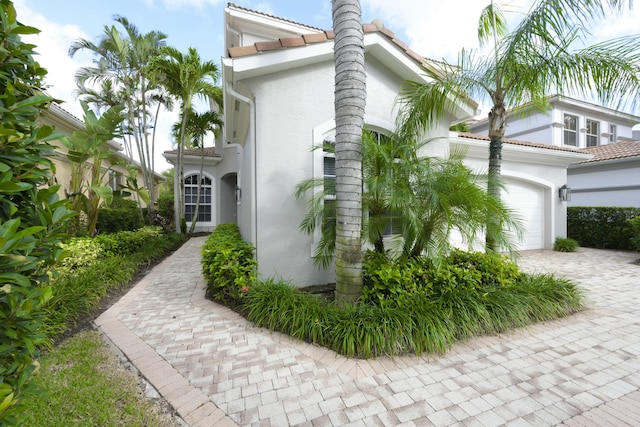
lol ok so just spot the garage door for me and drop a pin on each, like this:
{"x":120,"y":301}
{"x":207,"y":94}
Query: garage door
{"x":528,"y":202}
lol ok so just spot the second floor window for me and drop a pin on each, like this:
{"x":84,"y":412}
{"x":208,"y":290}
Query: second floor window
{"x":593,"y":129}
{"x":613,"y":133}
{"x":570,"y":130}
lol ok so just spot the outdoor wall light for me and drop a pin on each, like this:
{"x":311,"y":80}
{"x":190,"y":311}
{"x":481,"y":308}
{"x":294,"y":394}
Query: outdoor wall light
{"x":564,"y":193}
{"x":237,"y":191}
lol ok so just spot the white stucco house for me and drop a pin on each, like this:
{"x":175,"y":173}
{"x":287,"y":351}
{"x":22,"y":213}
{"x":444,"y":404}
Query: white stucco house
{"x":611,"y":177}
{"x":278,"y":84}
{"x":566,"y":122}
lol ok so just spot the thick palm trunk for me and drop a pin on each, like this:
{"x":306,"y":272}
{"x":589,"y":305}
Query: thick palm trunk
{"x":350,"y":97}
{"x":497,"y":120}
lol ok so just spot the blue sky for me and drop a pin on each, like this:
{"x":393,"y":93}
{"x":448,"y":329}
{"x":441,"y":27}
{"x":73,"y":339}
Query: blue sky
{"x":434,"y":28}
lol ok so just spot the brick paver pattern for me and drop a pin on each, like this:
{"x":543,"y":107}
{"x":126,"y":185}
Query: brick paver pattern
{"x":215,"y":368}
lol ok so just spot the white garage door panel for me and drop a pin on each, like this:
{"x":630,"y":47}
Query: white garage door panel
{"x":527,"y":201}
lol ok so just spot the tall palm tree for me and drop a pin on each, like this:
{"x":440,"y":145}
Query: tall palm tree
{"x":350,"y":99}
{"x":198,"y":126}
{"x":542,"y":55}
{"x":121,"y":67}
{"x":421,"y":200}
{"x":185,"y":76}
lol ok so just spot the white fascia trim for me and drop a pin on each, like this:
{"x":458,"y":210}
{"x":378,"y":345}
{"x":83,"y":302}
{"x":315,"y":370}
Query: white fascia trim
{"x":513,"y":152}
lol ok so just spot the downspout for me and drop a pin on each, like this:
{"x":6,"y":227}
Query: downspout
{"x":252,"y":140}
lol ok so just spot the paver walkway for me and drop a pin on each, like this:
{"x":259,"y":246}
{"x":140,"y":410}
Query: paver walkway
{"x":215,"y":369}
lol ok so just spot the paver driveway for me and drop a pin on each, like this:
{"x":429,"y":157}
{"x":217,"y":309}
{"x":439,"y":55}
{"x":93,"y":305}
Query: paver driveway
{"x":217,"y":370}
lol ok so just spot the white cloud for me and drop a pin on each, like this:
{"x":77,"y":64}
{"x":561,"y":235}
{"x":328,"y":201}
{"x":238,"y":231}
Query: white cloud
{"x":52,"y":47}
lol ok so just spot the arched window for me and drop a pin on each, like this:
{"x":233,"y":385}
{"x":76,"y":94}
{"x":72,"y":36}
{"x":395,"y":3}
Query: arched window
{"x":191,"y":195}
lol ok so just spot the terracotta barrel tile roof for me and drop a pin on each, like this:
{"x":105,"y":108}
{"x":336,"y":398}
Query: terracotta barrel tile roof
{"x":616,"y":150}
{"x":307,"y":39}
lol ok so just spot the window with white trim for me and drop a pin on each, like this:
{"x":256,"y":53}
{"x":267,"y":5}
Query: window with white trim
{"x":191,"y":196}
{"x":613,"y":133}
{"x":115,"y":180}
{"x":570,"y":130}
{"x":593,"y":129}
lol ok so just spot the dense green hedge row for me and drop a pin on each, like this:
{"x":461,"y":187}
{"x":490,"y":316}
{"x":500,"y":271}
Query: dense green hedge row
{"x":601,"y":227}
{"x":227,"y":264}
{"x":427,"y":322}
{"x":119,"y":219}
{"x":94,"y":267}
{"x":409,"y":306}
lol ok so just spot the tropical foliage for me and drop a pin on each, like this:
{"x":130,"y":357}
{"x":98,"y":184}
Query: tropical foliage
{"x":186,"y":77}
{"x":544,"y":53}
{"x":198,"y":126}
{"x":420,"y":200}
{"x":228,"y":265}
{"x":31,"y":216}
{"x":87,"y":149}
{"x":121,"y":71}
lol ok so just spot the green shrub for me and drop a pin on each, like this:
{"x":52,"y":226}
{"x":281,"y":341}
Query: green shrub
{"x":228,"y":265}
{"x":635,"y":226}
{"x":121,"y":219}
{"x":86,"y":277}
{"x":127,"y":242}
{"x":601,"y":227}
{"x":397,"y":281}
{"x":78,"y":252}
{"x":424,"y":324}
{"x":565,"y":244}
{"x":31,"y":216}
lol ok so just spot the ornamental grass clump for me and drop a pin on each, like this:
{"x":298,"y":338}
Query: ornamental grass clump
{"x":410,"y":306}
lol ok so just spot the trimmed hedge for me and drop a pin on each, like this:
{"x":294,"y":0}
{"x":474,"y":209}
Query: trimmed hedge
{"x":228,"y":265}
{"x":119,"y":219}
{"x":601,"y":227}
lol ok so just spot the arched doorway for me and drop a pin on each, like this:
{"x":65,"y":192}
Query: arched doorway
{"x":228,"y":205}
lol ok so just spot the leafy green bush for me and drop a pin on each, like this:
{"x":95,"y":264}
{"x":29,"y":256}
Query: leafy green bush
{"x":85,"y":277}
{"x":601,"y":227}
{"x":78,"y":252}
{"x":228,"y":265}
{"x":121,"y":219}
{"x":635,"y":226}
{"x":397,"y":281}
{"x":425,"y":323}
{"x":563,"y":244}
{"x":31,"y":216}
{"x":127,"y":242}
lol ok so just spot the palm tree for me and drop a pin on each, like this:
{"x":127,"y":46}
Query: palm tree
{"x":350,"y":98}
{"x":185,"y":76}
{"x":198,"y":125}
{"x":121,"y":67}
{"x":421,"y":200}
{"x":537,"y":58}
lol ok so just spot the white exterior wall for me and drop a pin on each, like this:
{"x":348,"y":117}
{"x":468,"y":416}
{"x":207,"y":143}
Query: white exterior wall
{"x":613,"y":183}
{"x":545,"y":170}
{"x":293,"y":115}
{"x":548,"y":127}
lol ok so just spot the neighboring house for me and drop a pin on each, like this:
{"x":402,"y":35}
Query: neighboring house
{"x":278,"y":84}
{"x":611,"y":177}
{"x":66,"y":123}
{"x":566,"y":122}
